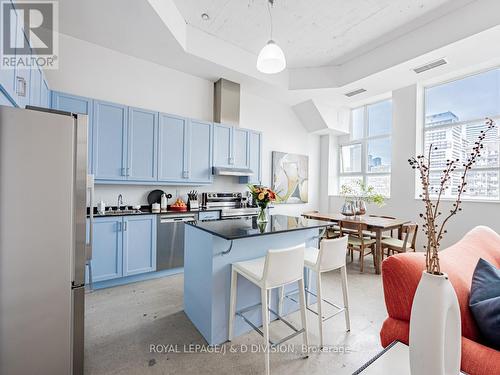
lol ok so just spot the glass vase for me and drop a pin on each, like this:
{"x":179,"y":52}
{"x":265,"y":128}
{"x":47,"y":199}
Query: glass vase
{"x":262,"y":217}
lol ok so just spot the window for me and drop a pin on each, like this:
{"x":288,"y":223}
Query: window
{"x":366,"y":155}
{"x":454,"y":118}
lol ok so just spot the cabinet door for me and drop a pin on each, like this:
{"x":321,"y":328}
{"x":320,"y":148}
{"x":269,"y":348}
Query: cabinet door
{"x":142,"y":145}
{"x":22,"y":74}
{"x":7,"y":76}
{"x":139,"y":244}
{"x":240,"y":148}
{"x":44,"y":94}
{"x":76,"y":104}
{"x":107,"y":248}
{"x":200,"y":152}
{"x":255,"y":148}
{"x":109,"y":141}
{"x":222,"y":146}
{"x":172,"y":160}
{"x":35,"y":86}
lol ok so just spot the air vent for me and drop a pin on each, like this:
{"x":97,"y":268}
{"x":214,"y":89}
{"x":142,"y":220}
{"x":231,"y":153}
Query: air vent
{"x":355,"y":92}
{"x":430,"y":66}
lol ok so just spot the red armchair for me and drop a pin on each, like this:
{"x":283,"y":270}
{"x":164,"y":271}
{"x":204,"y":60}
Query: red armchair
{"x":401,"y":274}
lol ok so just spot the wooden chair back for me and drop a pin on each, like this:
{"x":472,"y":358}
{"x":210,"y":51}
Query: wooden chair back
{"x":358,"y":229}
{"x":409,"y":232}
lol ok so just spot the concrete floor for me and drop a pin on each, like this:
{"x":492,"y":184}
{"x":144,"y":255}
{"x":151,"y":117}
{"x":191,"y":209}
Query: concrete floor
{"x":122,"y":323}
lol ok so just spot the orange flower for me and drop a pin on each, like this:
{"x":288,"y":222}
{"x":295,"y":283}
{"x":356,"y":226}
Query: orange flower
{"x":261,"y":196}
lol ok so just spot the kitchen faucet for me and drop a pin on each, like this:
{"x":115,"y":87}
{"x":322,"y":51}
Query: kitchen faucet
{"x":120,"y":202}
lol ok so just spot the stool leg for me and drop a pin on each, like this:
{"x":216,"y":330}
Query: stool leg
{"x":269,"y":291}
{"x":303,"y":316}
{"x":308,"y":274}
{"x":320,"y":315}
{"x":343,"y":273}
{"x":281,"y":300}
{"x":265,"y":328}
{"x":232,"y":303}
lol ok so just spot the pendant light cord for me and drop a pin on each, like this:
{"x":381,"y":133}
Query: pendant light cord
{"x":269,"y":3}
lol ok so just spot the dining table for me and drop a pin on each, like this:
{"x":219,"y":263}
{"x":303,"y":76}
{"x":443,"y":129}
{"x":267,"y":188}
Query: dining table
{"x":375,"y":224}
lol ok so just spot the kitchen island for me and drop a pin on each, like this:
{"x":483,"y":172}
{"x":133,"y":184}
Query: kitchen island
{"x":210,"y":249}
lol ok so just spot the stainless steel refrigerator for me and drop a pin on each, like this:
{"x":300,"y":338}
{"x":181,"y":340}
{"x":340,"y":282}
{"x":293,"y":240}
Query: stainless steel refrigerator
{"x":43,"y":241}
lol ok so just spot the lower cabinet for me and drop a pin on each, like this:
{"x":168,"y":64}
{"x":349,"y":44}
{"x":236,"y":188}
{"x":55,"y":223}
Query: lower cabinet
{"x":123,"y":246}
{"x":139,"y":244}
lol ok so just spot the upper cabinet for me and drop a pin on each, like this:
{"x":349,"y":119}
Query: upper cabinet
{"x":255,"y":152}
{"x":109,"y":141}
{"x":200,"y":151}
{"x":185,"y":150}
{"x":136,"y":146}
{"x":240,"y":148}
{"x":76,"y":104}
{"x":223,"y":145}
{"x":173,"y":163}
{"x":142,"y":145}
{"x":231,"y":146}
{"x":35,"y":87}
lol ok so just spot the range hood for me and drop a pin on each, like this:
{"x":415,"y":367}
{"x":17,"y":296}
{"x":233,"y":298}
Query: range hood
{"x":227,"y":111}
{"x":230,"y":171}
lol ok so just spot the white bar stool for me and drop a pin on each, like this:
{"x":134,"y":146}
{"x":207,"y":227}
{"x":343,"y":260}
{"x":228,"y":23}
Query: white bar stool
{"x":330,"y":256}
{"x":277,"y":269}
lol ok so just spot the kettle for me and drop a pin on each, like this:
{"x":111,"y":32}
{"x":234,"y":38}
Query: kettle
{"x":163,"y":202}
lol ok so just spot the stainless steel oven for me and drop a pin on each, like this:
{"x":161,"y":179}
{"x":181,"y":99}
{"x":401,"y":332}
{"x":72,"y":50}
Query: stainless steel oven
{"x":170,"y":240}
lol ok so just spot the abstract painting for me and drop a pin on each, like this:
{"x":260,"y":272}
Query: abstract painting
{"x":290,"y":177}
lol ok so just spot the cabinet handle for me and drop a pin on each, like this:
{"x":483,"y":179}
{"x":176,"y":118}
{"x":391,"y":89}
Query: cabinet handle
{"x":128,"y":171}
{"x":124,"y":172}
{"x":119,"y":226}
{"x":20,"y":86}
{"x":125,"y":226}
{"x":185,"y":174}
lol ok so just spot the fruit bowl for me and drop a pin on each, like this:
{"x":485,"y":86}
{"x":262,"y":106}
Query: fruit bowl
{"x":177,"y":208}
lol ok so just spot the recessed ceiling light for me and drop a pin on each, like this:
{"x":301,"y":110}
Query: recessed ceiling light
{"x":205,"y":17}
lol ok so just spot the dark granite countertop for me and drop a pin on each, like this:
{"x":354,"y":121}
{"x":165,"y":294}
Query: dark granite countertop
{"x":233,"y":229}
{"x":146,"y":210}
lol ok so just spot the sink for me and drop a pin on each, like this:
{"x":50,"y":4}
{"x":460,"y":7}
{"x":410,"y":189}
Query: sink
{"x":122,"y":212}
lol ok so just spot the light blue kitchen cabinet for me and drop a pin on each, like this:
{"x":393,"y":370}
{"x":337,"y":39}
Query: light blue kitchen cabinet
{"x":139,"y":244}
{"x":76,"y":104}
{"x":200,"y":152}
{"x":7,"y":76}
{"x":107,"y":248}
{"x":142,"y":145}
{"x":44,"y":94}
{"x":35,"y":87}
{"x":255,"y":153}
{"x":222,"y":146}
{"x":172,"y":145}
{"x":109,"y":146}
{"x":240,"y":148}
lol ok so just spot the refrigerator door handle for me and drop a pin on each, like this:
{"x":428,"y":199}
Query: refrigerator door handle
{"x":90,"y":186}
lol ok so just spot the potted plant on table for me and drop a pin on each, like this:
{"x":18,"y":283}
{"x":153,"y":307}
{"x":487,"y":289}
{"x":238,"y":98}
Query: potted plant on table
{"x":357,"y":195}
{"x":435,"y":324}
{"x":262,"y":196}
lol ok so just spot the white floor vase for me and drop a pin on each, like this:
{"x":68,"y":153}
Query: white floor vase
{"x":435,"y":328}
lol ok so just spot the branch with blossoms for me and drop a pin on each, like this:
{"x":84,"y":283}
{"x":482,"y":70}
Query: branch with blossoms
{"x":432,"y":228}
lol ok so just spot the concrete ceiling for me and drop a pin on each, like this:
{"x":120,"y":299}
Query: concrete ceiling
{"x":155,"y":30}
{"x":311,"y":33}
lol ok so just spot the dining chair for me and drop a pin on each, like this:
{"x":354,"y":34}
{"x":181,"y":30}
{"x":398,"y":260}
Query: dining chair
{"x":395,"y":245}
{"x":358,"y":241}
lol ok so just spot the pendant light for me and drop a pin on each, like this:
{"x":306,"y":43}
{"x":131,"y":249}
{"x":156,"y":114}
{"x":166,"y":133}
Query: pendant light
{"x":271,"y":58}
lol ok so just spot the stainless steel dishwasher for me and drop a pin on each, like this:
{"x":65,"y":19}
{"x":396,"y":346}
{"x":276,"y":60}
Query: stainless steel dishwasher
{"x":170,"y":240}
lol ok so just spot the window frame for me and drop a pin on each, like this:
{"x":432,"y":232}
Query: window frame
{"x":423,"y":129}
{"x":363,"y":141}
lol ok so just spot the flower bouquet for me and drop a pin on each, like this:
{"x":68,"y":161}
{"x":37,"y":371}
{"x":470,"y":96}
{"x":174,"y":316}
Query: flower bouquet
{"x":262,"y":196}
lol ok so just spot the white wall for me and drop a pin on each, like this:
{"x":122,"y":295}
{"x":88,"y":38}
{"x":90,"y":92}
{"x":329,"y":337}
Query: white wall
{"x":406,"y":110}
{"x":90,"y":70}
